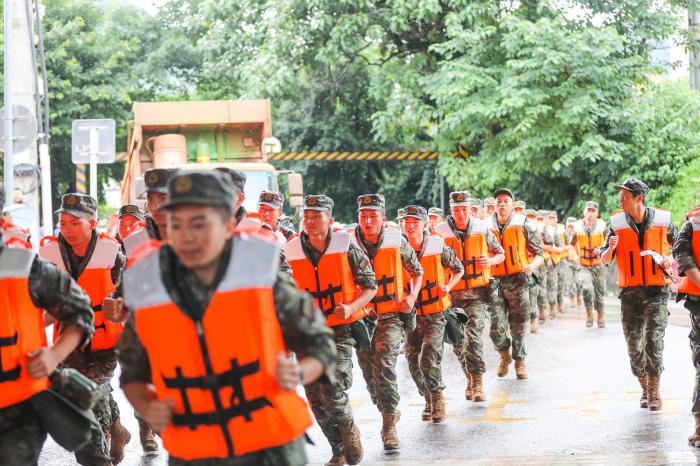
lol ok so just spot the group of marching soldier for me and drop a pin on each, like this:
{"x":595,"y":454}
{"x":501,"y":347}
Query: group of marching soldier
{"x":217,"y":316}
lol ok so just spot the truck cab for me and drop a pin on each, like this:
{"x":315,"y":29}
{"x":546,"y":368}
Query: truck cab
{"x":203,"y":135}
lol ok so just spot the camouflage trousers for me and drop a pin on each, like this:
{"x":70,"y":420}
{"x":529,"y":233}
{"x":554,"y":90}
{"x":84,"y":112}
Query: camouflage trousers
{"x":537,"y":292}
{"x":593,"y":286}
{"x":423,"y":349}
{"x":21,"y":435}
{"x":378,"y":363}
{"x":329,"y":402}
{"x":695,"y":350}
{"x":515,"y":309}
{"x":475,"y":304}
{"x":498,"y":330}
{"x":644,"y":318}
{"x":96,"y":451}
{"x":552,"y":283}
{"x":562,"y":281}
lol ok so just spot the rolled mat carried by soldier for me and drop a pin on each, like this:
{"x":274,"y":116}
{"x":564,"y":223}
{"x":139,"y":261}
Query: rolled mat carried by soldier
{"x":203,"y":273}
{"x":640,"y":238}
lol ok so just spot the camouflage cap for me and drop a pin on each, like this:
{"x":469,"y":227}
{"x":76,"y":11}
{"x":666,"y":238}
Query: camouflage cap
{"x":318,"y":202}
{"x":130,"y":209}
{"x":436,"y":211}
{"x":415,"y":211}
{"x":399,"y":213}
{"x":542,"y":214}
{"x":78,"y":205}
{"x":370,"y":201}
{"x":531,"y":213}
{"x":591,"y":205}
{"x":460,"y":198}
{"x":507,"y":191}
{"x":156,"y":179}
{"x":571,"y":220}
{"x":634,"y":185}
{"x":236,"y":177}
{"x":272,"y":199}
{"x":489,"y":201}
{"x":208,"y":188}
{"x":478,"y":203}
{"x":519,"y":205}
{"x":552,"y":214}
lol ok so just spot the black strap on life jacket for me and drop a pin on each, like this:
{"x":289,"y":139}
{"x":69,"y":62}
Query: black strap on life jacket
{"x":239,"y":405}
{"x":11,"y":374}
{"x":428,"y":289}
{"x":384,"y":283}
{"x":102,"y":326}
{"x":326,"y":294}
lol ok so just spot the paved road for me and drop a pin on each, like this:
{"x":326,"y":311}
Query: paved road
{"x":580,"y":406}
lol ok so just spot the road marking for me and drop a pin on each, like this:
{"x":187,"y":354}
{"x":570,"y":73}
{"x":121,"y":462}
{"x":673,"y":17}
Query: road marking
{"x":494,"y":412}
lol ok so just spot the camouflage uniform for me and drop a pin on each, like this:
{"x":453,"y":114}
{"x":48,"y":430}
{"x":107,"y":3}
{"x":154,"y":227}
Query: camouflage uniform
{"x":21,"y":432}
{"x":378,"y":363}
{"x":644,"y":314}
{"x":684,"y":255}
{"x":284,"y":265}
{"x":98,"y":366}
{"x":424,"y":345}
{"x":550,"y":238}
{"x":514,"y":290}
{"x":303,"y":329}
{"x":592,"y":281}
{"x":475,"y":302}
{"x":538,"y":289}
{"x":330,"y":402}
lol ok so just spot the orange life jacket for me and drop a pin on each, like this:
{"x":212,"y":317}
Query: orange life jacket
{"x":388,"y":270}
{"x":96,"y":281}
{"x":539,"y":227}
{"x":134,"y":239}
{"x":21,"y":328}
{"x":434,"y":276}
{"x":634,"y":269}
{"x":587,"y":242}
{"x":561,"y":231}
{"x":686,"y":285}
{"x":12,"y":231}
{"x":468,"y":252}
{"x":330,"y":282}
{"x":514,"y":245}
{"x":219,"y":371}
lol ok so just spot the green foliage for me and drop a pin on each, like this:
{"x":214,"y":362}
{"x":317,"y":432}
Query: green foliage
{"x":686,"y":193}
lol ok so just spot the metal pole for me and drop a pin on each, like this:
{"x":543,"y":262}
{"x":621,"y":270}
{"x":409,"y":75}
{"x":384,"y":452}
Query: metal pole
{"x":94,"y":149}
{"x":9,"y":174}
{"x":442,"y":193}
{"x":46,"y":202}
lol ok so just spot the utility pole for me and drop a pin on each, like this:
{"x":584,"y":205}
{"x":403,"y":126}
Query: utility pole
{"x":8,"y":117}
{"x":694,"y":48}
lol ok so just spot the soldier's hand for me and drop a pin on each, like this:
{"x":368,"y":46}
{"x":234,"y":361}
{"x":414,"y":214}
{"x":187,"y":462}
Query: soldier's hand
{"x":41,"y":363}
{"x":667,"y":262}
{"x":613,"y":241}
{"x":288,"y":372}
{"x":483,"y":262}
{"x":528,"y":269}
{"x":343,"y":311}
{"x":113,"y":309}
{"x":443,"y":291}
{"x":407,"y":304}
{"x":158,"y":414}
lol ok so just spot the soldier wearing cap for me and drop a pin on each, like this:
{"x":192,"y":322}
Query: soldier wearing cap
{"x":190,"y":285}
{"x":686,"y":251}
{"x":524,"y":254}
{"x":489,"y":206}
{"x":94,"y":261}
{"x":131,"y":217}
{"x":442,"y":270}
{"x":476,"y":206}
{"x":540,"y":273}
{"x":321,"y":255}
{"x":563,"y":256}
{"x":391,"y":256}
{"x":641,"y":239}
{"x":519,"y":207}
{"x":589,"y":236}
{"x":270,"y":205}
{"x":156,"y":180}
{"x":435,"y":217}
{"x":478,"y":250}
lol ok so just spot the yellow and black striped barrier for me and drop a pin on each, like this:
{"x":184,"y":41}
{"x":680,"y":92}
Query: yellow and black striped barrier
{"x":358,"y":156}
{"x":81,"y":178}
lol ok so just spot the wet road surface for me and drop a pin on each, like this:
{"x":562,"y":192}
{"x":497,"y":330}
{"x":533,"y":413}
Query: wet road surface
{"x":579,"y":406}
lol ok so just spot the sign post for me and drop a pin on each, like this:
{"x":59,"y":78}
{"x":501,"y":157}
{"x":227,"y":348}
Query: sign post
{"x":93,"y":142}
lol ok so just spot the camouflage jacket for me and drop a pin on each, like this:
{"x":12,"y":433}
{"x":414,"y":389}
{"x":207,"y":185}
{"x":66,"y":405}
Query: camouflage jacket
{"x":409,"y":259}
{"x":683,"y":249}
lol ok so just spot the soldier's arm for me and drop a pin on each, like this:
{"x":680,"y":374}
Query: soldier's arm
{"x":363,"y":274}
{"x":132,"y":355}
{"x":410,"y":263}
{"x":496,"y":251}
{"x":683,"y":249}
{"x":450,"y":261}
{"x":56,"y":292}
{"x":285,"y":268}
{"x":607,"y":253}
{"x":304,"y":328}
{"x":533,"y":243}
